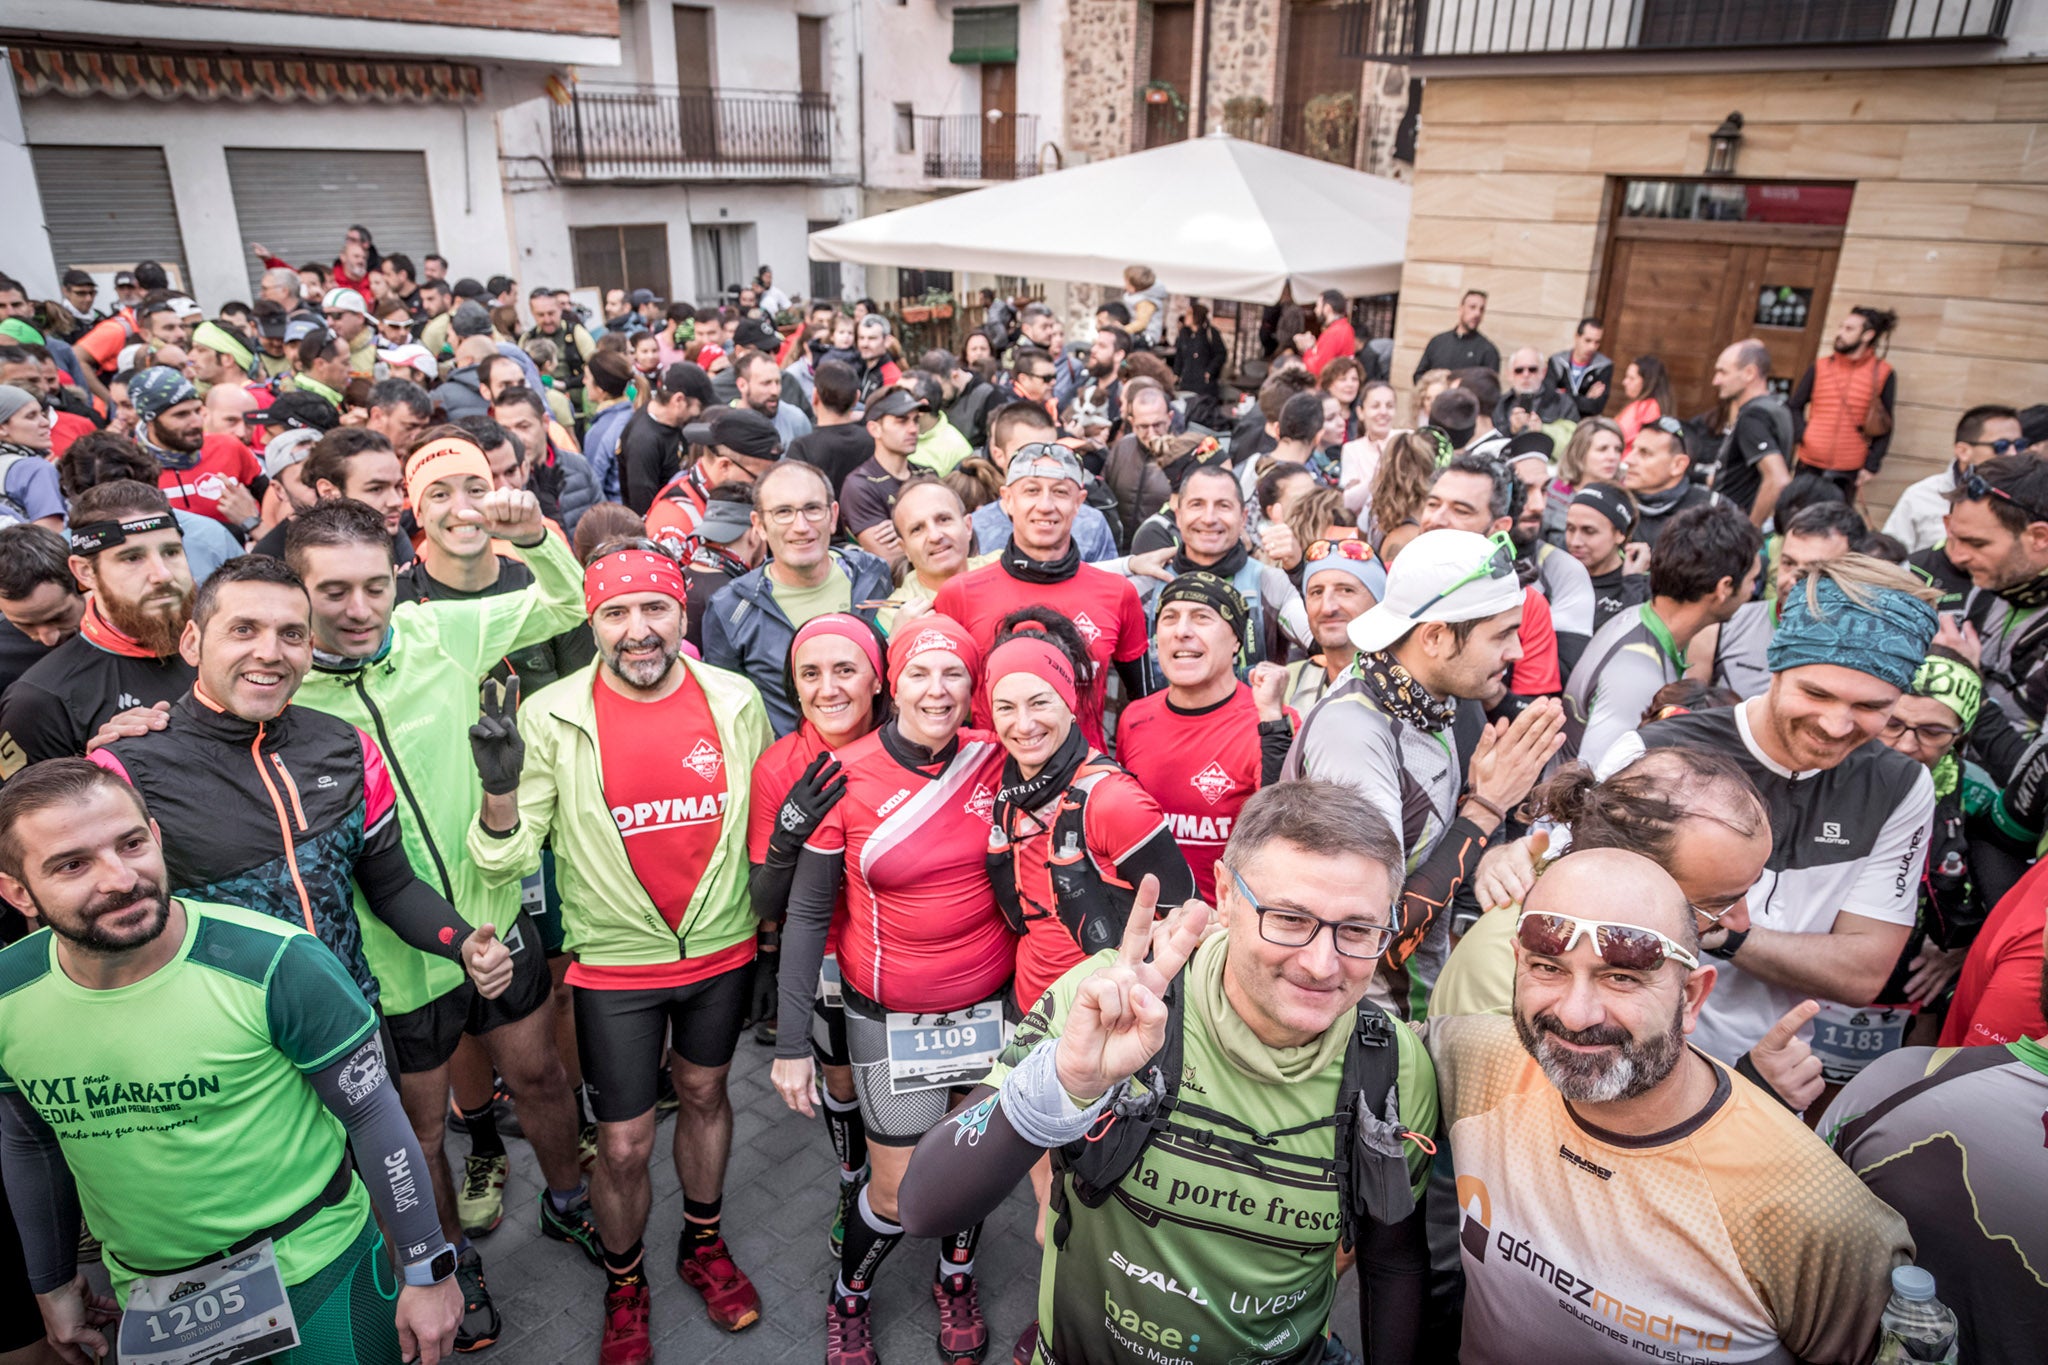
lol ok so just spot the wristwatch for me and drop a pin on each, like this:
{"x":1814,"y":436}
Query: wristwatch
{"x":433,"y":1270}
{"x":1732,"y":941}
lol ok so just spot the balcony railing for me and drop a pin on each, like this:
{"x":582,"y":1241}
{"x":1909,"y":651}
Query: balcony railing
{"x":976,"y":147}
{"x":1397,"y":30}
{"x":644,"y":133}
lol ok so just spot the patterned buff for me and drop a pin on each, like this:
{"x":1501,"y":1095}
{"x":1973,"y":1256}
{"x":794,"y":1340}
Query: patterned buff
{"x":1886,"y":634}
{"x":1219,"y":595}
{"x":627,"y":571}
{"x":156,"y":391}
{"x":1956,"y":686}
{"x":1400,"y":695}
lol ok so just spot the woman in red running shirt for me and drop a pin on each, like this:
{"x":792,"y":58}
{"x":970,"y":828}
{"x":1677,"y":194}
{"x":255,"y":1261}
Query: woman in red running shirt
{"x":924,"y":957}
{"x":836,"y":671}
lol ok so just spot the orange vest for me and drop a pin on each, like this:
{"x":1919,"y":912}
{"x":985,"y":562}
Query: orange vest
{"x":1843,"y":391}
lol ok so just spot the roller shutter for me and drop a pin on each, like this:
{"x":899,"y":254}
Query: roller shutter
{"x":301,"y":203}
{"x":109,"y":207}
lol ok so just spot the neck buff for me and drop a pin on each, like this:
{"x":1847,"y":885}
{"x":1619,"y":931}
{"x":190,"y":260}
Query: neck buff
{"x":1880,"y":631}
{"x":2028,"y":595}
{"x":1400,"y":695}
{"x":1020,"y":794}
{"x":1225,"y":568}
{"x":1025,"y":569}
{"x":179,"y":460}
{"x":1659,"y":504}
{"x":106,"y":635}
{"x":1203,"y":981}
{"x":342,"y":663}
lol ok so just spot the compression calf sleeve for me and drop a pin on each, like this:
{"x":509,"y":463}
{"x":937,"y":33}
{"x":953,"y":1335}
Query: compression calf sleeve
{"x":849,"y":1134}
{"x":956,"y":1253}
{"x":869,"y":1240}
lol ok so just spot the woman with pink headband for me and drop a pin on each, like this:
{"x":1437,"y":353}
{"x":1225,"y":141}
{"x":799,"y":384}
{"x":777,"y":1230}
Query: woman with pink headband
{"x":925,"y":958}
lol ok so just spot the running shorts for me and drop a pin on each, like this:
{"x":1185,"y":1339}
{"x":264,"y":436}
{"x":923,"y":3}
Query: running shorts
{"x":892,"y":1120}
{"x":426,"y":1038}
{"x":345,"y":1310}
{"x":621,"y":1036}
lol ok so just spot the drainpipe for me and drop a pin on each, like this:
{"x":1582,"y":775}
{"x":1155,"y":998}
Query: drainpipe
{"x":1202,"y":74}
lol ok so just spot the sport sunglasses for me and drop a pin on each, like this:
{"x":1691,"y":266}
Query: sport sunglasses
{"x":1627,"y":946}
{"x":1339,"y":549}
{"x":1499,"y":563}
{"x":1978,"y":489}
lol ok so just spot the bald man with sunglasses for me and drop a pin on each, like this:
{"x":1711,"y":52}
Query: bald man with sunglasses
{"x":1620,"y":1193}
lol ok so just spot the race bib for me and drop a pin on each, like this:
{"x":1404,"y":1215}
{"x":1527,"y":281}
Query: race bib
{"x":1847,"y":1038}
{"x":828,"y":982}
{"x":234,"y":1308}
{"x":937,"y":1051}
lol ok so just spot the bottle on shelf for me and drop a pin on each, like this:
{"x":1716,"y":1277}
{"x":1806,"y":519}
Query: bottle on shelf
{"x":1916,"y":1327}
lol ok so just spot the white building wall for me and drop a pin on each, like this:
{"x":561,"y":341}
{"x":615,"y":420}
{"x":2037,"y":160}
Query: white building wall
{"x":24,"y":241}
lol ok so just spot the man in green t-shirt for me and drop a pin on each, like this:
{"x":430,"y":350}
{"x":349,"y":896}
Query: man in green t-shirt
{"x":193,"y":1076}
{"x":1218,"y":1241}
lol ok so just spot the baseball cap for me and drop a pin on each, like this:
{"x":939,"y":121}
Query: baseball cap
{"x":287,"y":448}
{"x":1457,"y":576}
{"x":294,"y":411}
{"x":188,"y":309}
{"x":640,"y":298}
{"x":413,"y":356}
{"x":467,"y":288}
{"x":724,"y":522}
{"x":344,"y":300}
{"x":76,"y":279}
{"x":895,"y":402}
{"x":269,"y":319}
{"x":740,"y":430}
{"x":297,"y":329}
{"x":690,"y":381}
{"x":124,"y":279}
{"x":755,"y":333}
{"x":1044,"y":460}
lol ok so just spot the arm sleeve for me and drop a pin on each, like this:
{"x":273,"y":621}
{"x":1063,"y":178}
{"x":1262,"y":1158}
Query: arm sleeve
{"x":1159,"y":856}
{"x":357,"y":1089}
{"x":1276,"y":737}
{"x":414,"y":911}
{"x":1135,"y":677}
{"x":964,"y":1168}
{"x":1430,"y":888}
{"x":813,"y":895}
{"x":42,"y":1193}
{"x":1880,"y":446}
{"x":1393,"y":1274}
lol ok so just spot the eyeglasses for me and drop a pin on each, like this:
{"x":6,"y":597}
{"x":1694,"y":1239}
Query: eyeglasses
{"x":1627,"y":946}
{"x":786,"y":516}
{"x":1298,"y":928}
{"x":1978,"y":489}
{"x":1528,"y":369}
{"x":1339,"y":549}
{"x":1499,"y":563}
{"x":1712,"y":911}
{"x":2006,"y":445}
{"x":1930,"y":736}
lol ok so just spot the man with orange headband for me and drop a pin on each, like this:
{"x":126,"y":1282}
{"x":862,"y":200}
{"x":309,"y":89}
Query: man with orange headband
{"x":636,"y":768}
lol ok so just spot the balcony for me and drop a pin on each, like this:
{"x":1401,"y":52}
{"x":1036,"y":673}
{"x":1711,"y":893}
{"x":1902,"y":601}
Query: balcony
{"x":1407,"y":30}
{"x":976,"y":147}
{"x":641,"y":133}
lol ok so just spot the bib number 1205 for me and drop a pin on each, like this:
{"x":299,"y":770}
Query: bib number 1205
{"x":203,"y":1311}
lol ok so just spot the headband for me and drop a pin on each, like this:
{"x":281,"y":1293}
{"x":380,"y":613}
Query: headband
{"x":1609,"y":502}
{"x":446,"y":458}
{"x":1441,"y":440}
{"x":926,"y":634}
{"x":630,"y":571}
{"x":1952,"y":683}
{"x":1219,"y":596}
{"x":1886,"y":635}
{"x":93,"y":536}
{"x":846,"y":627}
{"x":214,"y":337}
{"x":1031,"y":652}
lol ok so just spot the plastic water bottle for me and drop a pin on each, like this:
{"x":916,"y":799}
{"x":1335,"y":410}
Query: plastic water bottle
{"x":1916,"y":1326}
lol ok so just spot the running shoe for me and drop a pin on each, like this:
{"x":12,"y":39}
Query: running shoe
{"x":849,"y":1339}
{"x":729,"y":1297}
{"x":479,"y":1326}
{"x":963,"y":1334}
{"x":480,"y":1203}
{"x":1027,"y":1345}
{"x":849,"y":1196}
{"x":586,"y":1147}
{"x":575,"y":1224}
{"x":626,"y":1340}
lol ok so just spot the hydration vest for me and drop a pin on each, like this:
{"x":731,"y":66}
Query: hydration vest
{"x":1093,"y":907}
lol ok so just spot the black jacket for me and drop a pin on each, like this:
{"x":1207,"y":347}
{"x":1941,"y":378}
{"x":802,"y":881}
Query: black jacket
{"x":60,"y":703}
{"x":1558,"y":376}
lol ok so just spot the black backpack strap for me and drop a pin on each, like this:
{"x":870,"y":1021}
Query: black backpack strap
{"x":1372,"y":1159}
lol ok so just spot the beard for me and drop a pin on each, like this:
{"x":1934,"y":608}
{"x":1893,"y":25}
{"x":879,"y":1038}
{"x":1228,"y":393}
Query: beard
{"x":155,"y":623}
{"x":642,"y":673}
{"x":85,"y":931}
{"x":1101,"y":371}
{"x":1639,"y":1066}
{"x":184,"y":445}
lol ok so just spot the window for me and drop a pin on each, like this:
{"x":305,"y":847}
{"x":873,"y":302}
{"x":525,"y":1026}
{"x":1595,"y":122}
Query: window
{"x":1725,"y":201}
{"x":906,"y":129}
{"x":810,"y":55}
{"x":724,"y":256}
{"x":825,"y":279}
{"x":625,"y":257}
{"x":985,"y":33}
{"x":915,"y":284}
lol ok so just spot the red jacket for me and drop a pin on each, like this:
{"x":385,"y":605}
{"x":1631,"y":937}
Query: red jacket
{"x":1337,"y":339}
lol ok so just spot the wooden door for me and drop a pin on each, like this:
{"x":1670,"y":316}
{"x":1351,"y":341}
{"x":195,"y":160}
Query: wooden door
{"x":1319,"y":90}
{"x":998,"y":121}
{"x":696,"y":103}
{"x":1173,"y":63}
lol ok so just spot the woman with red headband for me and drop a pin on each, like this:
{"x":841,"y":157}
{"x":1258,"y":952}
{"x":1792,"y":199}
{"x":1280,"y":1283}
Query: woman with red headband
{"x":924,"y":956}
{"x":835,"y":674}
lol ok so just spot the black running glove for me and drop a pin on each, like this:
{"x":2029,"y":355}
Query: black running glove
{"x":494,"y":740}
{"x":807,"y":804}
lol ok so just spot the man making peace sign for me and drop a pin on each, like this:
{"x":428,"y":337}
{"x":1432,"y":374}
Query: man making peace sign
{"x":1191,"y":1088}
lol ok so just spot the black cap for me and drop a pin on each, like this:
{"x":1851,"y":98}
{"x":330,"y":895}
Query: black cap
{"x":269,"y":318}
{"x":124,"y":279}
{"x":1529,"y":443}
{"x":740,"y":430}
{"x":641,"y":297}
{"x":895,"y":402}
{"x":690,"y":381}
{"x":467,"y":288}
{"x":76,"y":279}
{"x":296,"y":409}
{"x":499,"y":284}
{"x":758,"y":334}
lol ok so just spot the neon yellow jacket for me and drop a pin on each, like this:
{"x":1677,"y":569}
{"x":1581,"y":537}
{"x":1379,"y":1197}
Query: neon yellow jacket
{"x":608,"y":919}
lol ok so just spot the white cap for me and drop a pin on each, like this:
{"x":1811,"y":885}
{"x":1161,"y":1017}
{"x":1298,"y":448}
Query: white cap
{"x":412,"y":355}
{"x":287,"y":448}
{"x":344,"y":300}
{"x":1419,"y":587}
{"x":186,"y":308}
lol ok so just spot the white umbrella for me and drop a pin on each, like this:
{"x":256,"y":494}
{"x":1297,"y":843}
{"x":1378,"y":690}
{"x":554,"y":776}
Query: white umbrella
{"x":1215,"y":216}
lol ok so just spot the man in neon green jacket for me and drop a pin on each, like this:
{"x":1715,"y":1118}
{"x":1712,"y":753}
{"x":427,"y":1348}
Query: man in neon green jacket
{"x":408,"y":677}
{"x":638,"y":767}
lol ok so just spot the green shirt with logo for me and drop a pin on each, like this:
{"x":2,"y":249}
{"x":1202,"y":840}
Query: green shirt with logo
{"x":181,"y":1102}
{"x":1215,"y":1249}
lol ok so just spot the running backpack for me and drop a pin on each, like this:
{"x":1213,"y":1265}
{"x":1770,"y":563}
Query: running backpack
{"x":1368,"y":1157}
{"x":12,"y":512}
{"x":1093,"y":908}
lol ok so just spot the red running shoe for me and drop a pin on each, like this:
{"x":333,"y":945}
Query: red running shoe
{"x":1027,"y":1345}
{"x":729,"y":1297}
{"x":626,"y":1340}
{"x":848,"y":1340}
{"x":963,"y":1335}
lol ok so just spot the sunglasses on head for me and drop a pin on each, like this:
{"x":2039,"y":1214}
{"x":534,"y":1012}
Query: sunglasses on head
{"x":1978,"y":489}
{"x":1499,"y":563}
{"x":1627,"y":946}
{"x":1339,"y":549}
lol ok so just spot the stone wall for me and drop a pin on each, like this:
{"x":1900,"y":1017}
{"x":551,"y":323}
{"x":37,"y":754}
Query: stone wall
{"x":1244,"y":54}
{"x":1101,"y":44}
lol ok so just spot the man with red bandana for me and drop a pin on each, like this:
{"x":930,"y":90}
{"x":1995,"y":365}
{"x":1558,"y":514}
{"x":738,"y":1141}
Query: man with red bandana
{"x":636,"y":766}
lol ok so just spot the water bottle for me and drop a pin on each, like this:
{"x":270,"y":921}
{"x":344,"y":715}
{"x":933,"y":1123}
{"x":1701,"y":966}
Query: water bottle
{"x":1916,"y":1326}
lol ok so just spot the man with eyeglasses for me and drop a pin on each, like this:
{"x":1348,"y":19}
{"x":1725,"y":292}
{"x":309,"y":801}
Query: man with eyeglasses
{"x":1998,"y":535}
{"x":1526,"y":384}
{"x":1620,"y":1193}
{"x":1657,"y":469}
{"x":348,"y":317}
{"x":752,"y":620}
{"x":1160,"y":1244}
{"x":1440,"y":638}
{"x":1836,"y":903}
{"x":1985,"y":432}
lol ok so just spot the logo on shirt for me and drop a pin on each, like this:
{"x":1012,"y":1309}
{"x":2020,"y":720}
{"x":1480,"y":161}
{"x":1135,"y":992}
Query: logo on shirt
{"x":982,"y":805}
{"x":1213,"y":783}
{"x":362,"y":1073}
{"x":704,"y":760}
{"x":1156,"y":1279}
{"x":1830,"y":833}
{"x":644,"y":817}
{"x":1575,"y":1159}
{"x":127,"y":701}
{"x":326,"y":781}
{"x":892,"y":803}
{"x":1089,"y":630}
